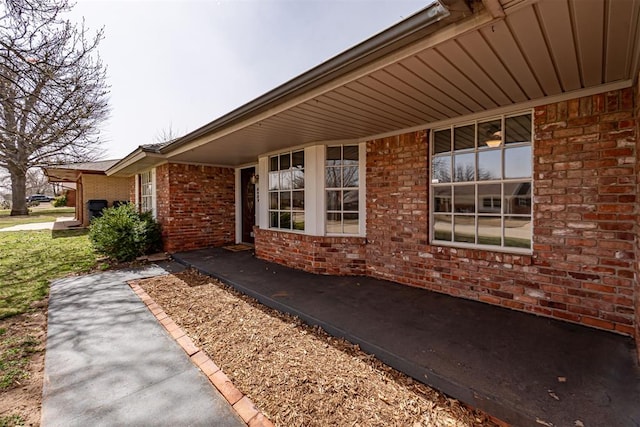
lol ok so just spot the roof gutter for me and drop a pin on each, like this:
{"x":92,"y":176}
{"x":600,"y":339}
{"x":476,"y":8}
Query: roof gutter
{"x":402,"y":34}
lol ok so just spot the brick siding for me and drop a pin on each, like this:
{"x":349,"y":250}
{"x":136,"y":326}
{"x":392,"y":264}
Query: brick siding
{"x":637,"y":248}
{"x":100,"y":187}
{"x":195,"y":205}
{"x":340,"y":256}
{"x":585,"y":223}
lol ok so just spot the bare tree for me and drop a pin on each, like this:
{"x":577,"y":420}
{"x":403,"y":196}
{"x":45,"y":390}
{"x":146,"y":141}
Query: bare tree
{"x":53,"y":91}
{"x":166,"y":134}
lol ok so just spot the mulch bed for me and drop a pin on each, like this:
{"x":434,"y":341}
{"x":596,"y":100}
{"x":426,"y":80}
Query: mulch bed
{"x":294,"y":373}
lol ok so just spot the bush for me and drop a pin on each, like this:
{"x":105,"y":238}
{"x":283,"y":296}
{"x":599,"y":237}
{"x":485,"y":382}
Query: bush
{"x":123,"y":234}
{"x":60,"y":201}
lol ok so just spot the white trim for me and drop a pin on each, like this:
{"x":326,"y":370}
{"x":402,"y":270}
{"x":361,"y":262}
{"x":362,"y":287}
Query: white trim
{"x":154,"y":194}
{"x":136,"y":196}
{"x":363,"y":188}
{"x":313,"y":199}
{"x":238,"y":202}
{"x":262,"y":206}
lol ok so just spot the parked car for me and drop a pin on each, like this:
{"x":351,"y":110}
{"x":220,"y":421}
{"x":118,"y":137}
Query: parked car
{"x":39,"y":198}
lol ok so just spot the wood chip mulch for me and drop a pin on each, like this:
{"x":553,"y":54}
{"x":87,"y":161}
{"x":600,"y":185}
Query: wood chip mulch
{"x":295,"y":374}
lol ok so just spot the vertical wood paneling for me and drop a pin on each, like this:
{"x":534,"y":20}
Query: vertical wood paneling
{"x":589,"y":27}
{"x":621,"y":32}
{"x":555,"y":19}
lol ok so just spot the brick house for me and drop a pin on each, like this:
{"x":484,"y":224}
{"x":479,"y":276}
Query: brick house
{"x":483,"y":149}
{"x":91,"y":183}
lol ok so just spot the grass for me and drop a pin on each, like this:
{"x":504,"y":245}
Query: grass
{"x":36,"y":214}
{"x":14,"y":358}
{"x":11,"y":421}
{"x":30,"y":259}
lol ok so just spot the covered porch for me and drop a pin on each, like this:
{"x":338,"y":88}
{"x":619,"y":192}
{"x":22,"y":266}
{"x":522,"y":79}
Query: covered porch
{"x":522,"y":369}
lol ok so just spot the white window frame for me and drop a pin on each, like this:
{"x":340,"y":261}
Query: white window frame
{"x":341,"y":188}
{"x":478,"y":182}
{"x":314,"y":191}
{"x":281,"y":173}
{"x":147,"y":185}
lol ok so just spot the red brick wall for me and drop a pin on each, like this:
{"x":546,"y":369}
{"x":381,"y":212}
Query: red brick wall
{"x":196,"y":206}
{"x":582,"y":267}
{"x":321,"y":255}
{"x":132,"y":189}
{"x":637,"y":289}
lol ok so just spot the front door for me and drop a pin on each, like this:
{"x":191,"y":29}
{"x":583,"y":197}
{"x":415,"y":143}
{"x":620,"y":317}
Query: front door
{"x":248,"y":197}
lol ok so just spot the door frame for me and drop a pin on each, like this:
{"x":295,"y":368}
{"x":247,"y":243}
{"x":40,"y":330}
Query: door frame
{"x":239,"y":203}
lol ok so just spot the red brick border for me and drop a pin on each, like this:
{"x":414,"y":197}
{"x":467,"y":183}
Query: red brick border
{"x":243,"y":406}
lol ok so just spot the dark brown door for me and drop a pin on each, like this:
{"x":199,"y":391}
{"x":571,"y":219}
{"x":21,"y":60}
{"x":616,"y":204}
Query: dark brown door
{"x":248,"y":204}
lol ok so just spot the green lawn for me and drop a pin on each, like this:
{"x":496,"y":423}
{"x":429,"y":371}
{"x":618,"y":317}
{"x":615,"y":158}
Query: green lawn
{"x":36,"y":214}
{"x":29,"y":259}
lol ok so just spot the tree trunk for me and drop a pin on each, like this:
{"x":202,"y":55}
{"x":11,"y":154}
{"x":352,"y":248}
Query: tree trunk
{"x":18,"y":190}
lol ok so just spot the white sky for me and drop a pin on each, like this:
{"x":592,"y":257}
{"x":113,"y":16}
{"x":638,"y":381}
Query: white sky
{"x":182,"y":64}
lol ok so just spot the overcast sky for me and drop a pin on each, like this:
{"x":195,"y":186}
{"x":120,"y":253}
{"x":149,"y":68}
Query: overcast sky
{"x":182,"y":64}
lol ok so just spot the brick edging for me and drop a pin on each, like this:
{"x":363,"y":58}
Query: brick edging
{"x":243,"y":406}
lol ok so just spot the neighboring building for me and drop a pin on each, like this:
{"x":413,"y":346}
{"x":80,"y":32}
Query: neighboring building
{"x":488,"y":153}
{"x":91,"y":183}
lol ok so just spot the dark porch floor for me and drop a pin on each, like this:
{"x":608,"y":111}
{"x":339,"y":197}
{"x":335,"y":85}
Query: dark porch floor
{"x":504,"y":362}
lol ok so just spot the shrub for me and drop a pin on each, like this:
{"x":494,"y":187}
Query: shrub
{"x":60,"y":201}
{"x":123,"y":234}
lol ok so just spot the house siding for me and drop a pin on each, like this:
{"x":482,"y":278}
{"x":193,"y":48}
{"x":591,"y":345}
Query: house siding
{"x":195,"y":206}
{"x":637,"y":247}
{"x":583,"y":267}
{"x":316,"y":254}
{"x":100,"y":187}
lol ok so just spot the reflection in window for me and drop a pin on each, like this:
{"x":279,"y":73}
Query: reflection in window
{"x":481,"y":176}
{"x":342,"y":181}
{"x":286,"y":191}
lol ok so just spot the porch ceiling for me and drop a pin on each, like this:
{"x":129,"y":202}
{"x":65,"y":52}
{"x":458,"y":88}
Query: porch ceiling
{"x":479,"y":63}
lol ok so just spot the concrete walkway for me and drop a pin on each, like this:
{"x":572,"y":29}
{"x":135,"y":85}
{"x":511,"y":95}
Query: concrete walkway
{"x":523,"y":369}
{"x":62,"y":222}
{"x":109,"y":362}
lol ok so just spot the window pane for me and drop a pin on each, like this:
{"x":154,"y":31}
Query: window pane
{"x":298,"y":178}
{"x":285,"y":180}
{"x":489,"y":198}
{"x":351,"y":223}
{"x":273,"y":222}
{"x":490,"y":134}
{"x":490,"y":230}
{"x":334,"y":222}
{"x":442,"y":199}
{"x":273,"y":164}
{"x":334,"y":156}
{"x":285,"y":220}
{"x":285,"y":200}
{"x":285,"y":161}
{"x":298,"y":159}
{"x":298,"y":220}
{"x":334,"y":201}
{"x":351,"y":154}
{"x":333,"y":178}
{"x":489,"y":165}
{"x":442,"y":227}
{"x":517,"y":232}
{"x":464,"y":199}
{"x":350,"y":176}
{"x":273,"y":200}
{"x":518,"y":129}
{"x":441,"y":169}
{"x":274,"y":180}
{"x":350,"y":200}
{"x":465,"y":167}
{"x":298,"y":200}
{"x":464,"y":229}
{"x":517,"y":162}
{"x":517,"y":198}
{"x":442,"y":141}
{"x":464,"y":137}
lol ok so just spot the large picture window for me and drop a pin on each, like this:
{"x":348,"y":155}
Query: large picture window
{"x":286,"y":191}
{"x":481,"y":179}
{"x":342,"y":189}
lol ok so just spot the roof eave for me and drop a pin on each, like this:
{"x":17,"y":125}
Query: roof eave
{"x":399,"y":35}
